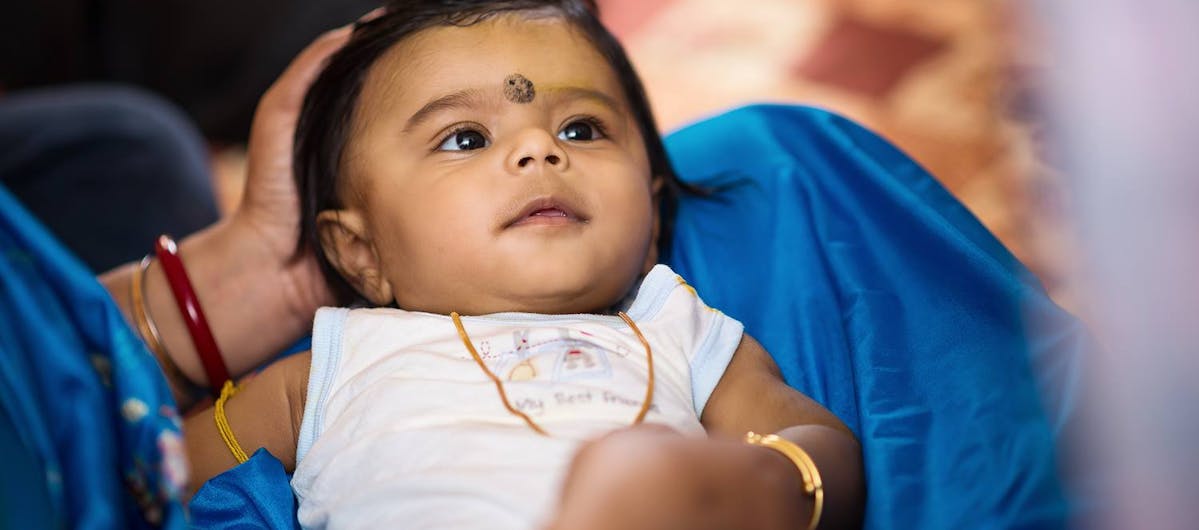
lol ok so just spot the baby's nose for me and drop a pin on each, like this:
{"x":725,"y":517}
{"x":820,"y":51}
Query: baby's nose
{"x":550,"y":159}
{"x":535,"y":147}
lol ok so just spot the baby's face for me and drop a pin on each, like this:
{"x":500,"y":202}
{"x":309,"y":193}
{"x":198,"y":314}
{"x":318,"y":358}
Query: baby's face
{"x":493,"y":168}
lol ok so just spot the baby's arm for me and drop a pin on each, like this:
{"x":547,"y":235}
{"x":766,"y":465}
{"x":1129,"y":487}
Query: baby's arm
{"x":650,"y":477}
{"x":751,"y":396}
{"x":265,"y":412}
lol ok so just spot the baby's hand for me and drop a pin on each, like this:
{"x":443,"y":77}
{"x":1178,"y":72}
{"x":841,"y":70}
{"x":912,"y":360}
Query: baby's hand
{"x":651,"y":477}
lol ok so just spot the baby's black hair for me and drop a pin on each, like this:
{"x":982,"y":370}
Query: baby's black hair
{"x":326,"y":116}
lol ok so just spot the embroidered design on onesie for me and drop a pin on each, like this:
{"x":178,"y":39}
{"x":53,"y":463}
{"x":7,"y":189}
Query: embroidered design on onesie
{"x":574,"y":355}
{"x":525,"y":371}
{"x":581,"y":359}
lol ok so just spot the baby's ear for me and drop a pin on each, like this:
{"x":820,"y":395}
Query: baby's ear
{"x":348,"y":245}
{"x":651,"y":257}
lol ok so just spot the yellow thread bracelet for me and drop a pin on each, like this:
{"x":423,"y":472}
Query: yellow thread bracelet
{"x":222,"y":422}
{"x":812,"y":485}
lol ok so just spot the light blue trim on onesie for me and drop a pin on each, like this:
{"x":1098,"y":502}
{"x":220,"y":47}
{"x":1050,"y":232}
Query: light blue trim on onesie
{"x":714,"y":351}
{"x":712,"y":358}
{"x":652,"y":295}
{"x":326,"y":357}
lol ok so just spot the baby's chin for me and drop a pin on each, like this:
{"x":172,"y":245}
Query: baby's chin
{"x":544,"y":297}
{"x":547,"y":303}
{"x":571,"y":294}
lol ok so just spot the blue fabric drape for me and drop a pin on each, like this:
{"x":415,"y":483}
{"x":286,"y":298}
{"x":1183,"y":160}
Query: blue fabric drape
{"x":92,"y":420}
{"x":255,"y":494}
{"x":884,"y":299}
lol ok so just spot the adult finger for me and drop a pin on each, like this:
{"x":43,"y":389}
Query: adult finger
{"x":288,"y":90}
{"x":290,"y":87}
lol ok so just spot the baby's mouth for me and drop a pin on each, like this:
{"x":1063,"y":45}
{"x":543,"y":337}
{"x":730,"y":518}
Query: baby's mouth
{"x":547,"y":211}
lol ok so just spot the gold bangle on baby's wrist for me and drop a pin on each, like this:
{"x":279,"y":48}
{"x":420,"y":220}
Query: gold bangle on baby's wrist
{"x":812,"y":485}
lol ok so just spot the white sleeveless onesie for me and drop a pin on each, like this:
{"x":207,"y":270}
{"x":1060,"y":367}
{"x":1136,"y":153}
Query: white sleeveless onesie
{"x":402,"y":429}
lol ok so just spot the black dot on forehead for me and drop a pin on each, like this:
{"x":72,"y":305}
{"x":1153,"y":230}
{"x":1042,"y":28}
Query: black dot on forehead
{"x":518,"y":89}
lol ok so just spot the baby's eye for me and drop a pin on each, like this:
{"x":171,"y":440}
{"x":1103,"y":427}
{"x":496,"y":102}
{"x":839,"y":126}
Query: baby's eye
{"x":463,"y":140}
{"x":580,"y":131}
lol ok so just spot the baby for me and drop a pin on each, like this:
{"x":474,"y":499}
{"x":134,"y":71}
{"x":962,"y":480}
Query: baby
{"x":483,"y":184}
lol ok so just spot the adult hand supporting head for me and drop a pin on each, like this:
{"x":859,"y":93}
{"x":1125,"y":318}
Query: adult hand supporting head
{"x":270,"y":205}
{"x":257,"y":294}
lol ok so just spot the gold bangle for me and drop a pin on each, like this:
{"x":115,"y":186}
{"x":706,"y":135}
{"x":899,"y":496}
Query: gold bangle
{"x":812,"y":485}
{"x":145,"y":326}
{"x":149,"y":332}
{"x":222,"y":422}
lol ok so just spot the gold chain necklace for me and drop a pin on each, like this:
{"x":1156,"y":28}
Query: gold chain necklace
{"x":499,"y":386}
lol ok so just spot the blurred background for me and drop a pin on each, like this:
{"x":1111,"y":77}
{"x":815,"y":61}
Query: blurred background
{"x":948,"y":81}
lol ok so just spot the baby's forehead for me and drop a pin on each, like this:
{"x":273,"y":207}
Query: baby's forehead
{"x":505,"y":59}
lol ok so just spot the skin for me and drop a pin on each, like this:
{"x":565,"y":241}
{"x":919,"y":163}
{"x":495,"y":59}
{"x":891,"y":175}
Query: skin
{"x":552,"y":213}
{"x":450,"y":243}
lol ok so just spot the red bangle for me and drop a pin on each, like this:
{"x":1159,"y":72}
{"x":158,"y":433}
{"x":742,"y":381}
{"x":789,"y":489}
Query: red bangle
{"x":189,"y":307}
